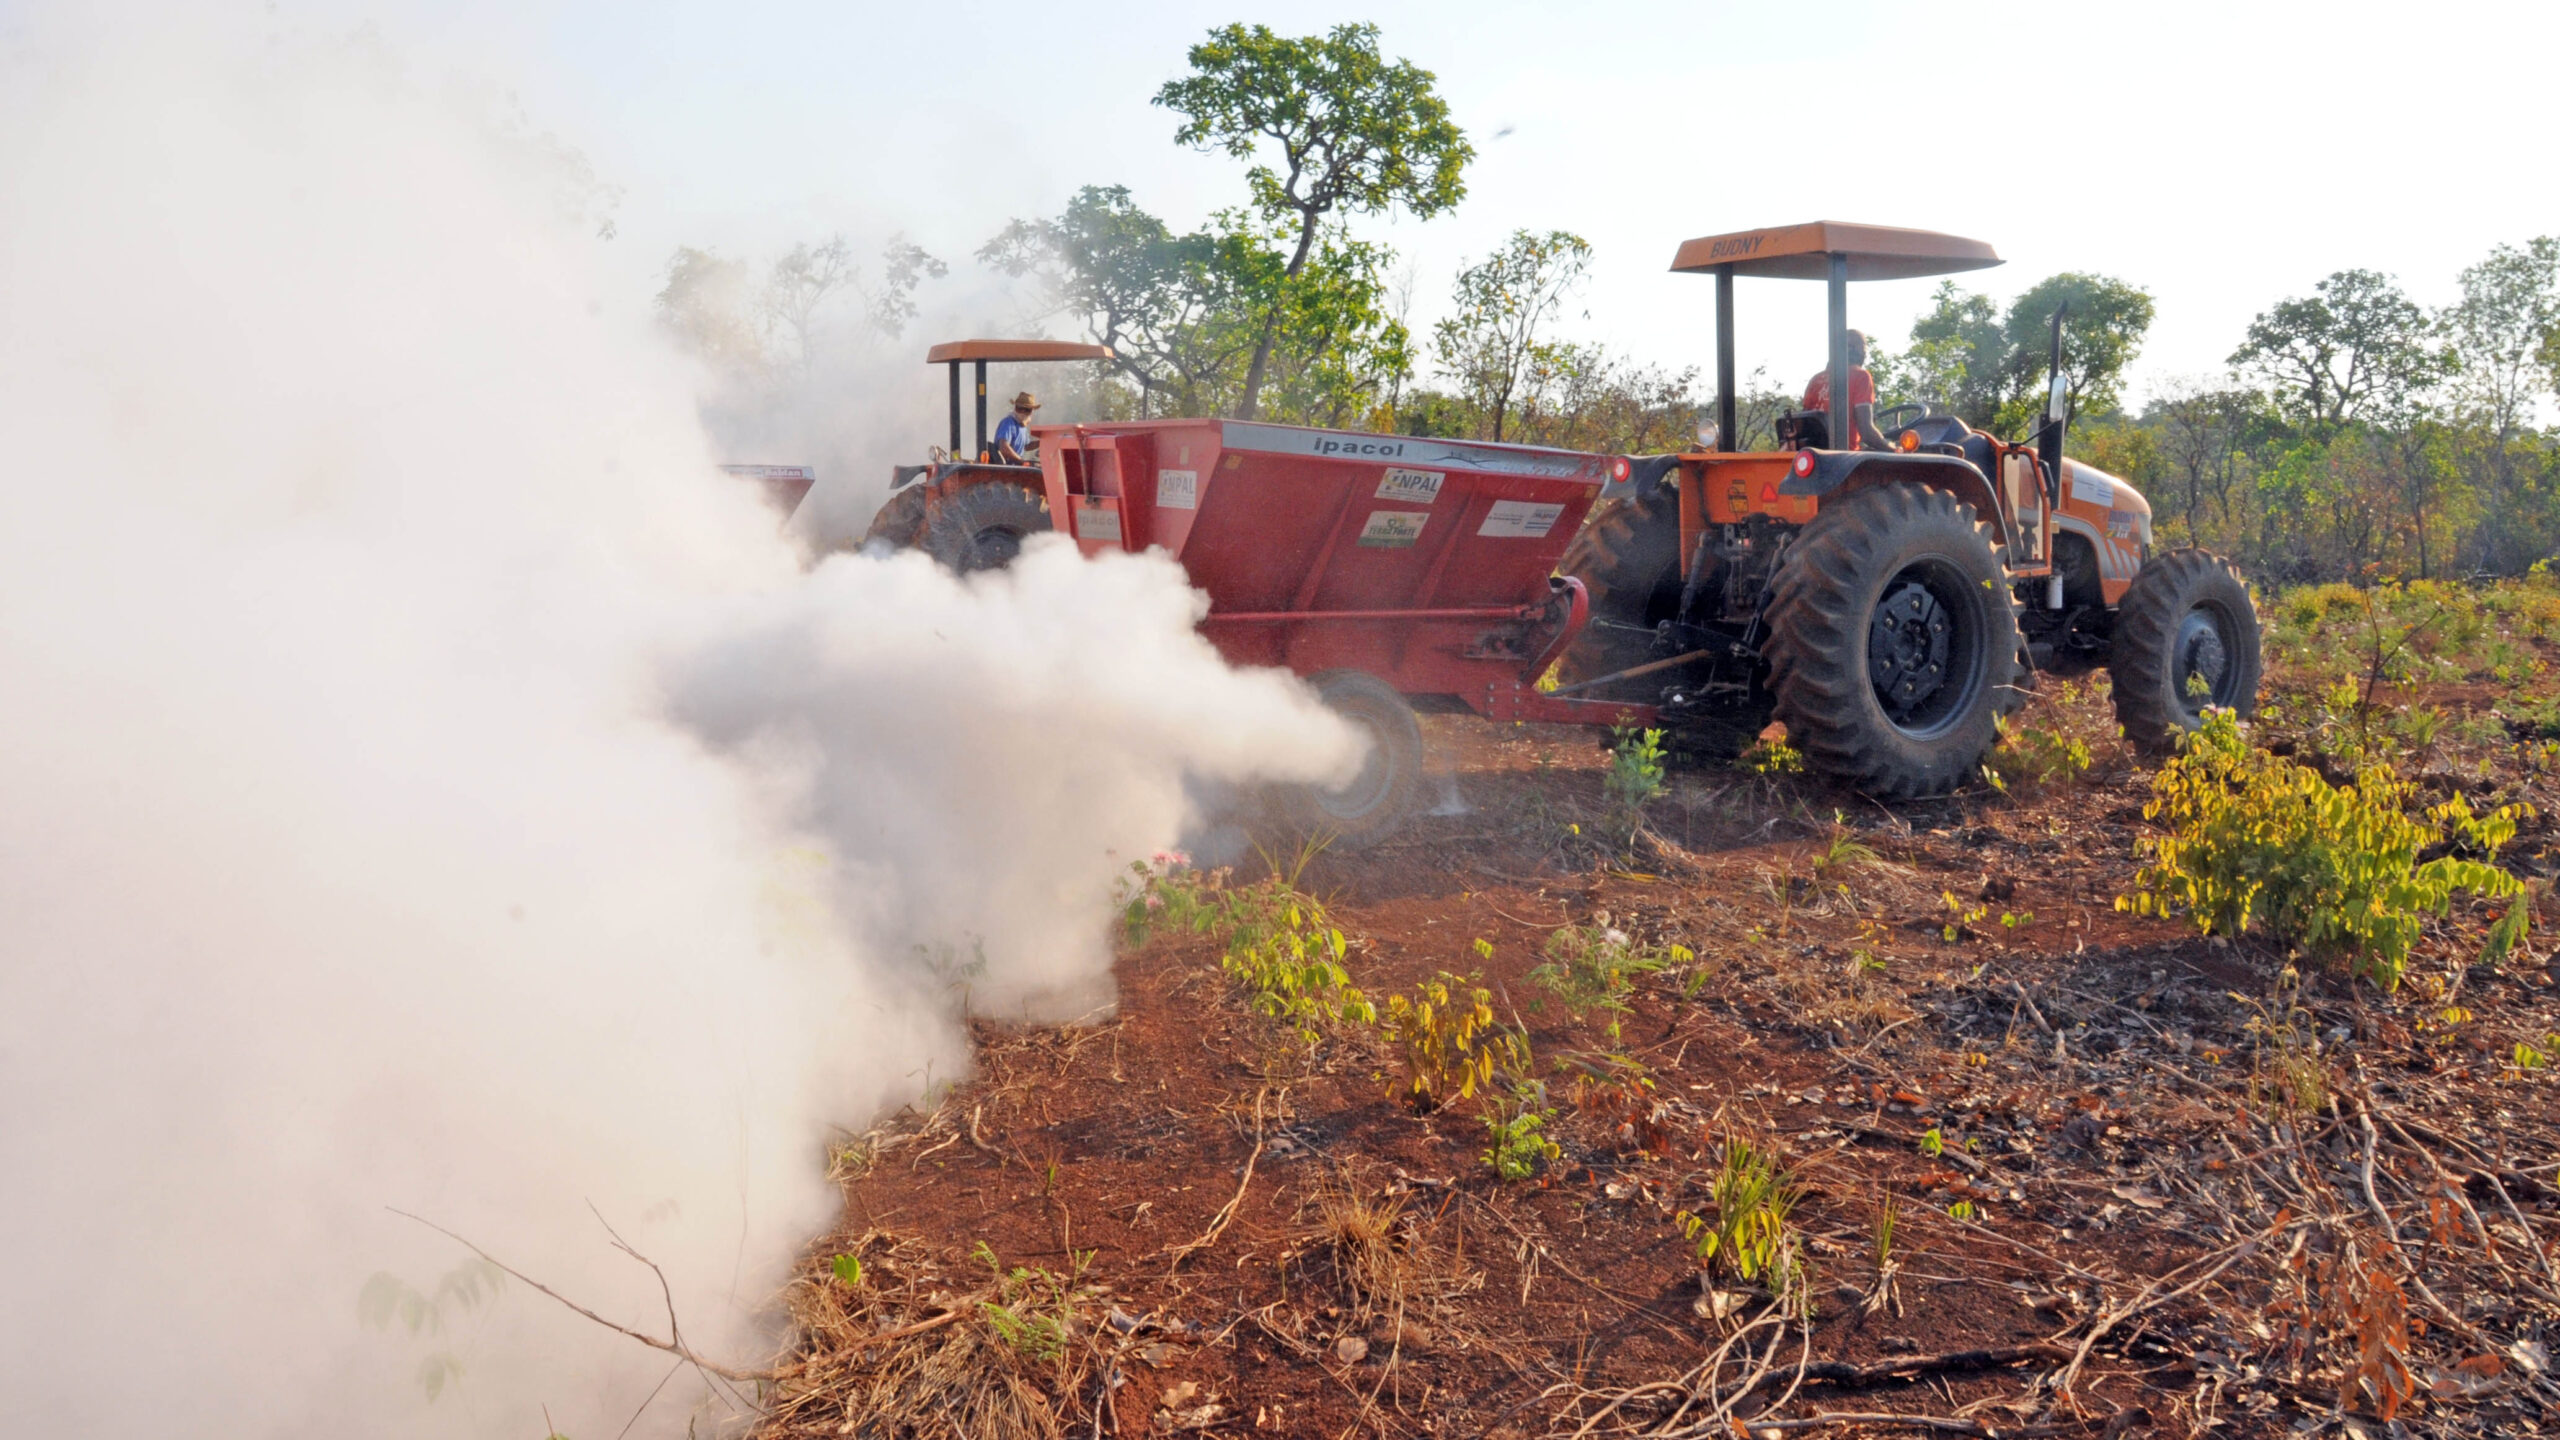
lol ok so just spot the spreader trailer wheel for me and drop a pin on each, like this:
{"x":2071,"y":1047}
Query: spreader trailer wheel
{"x":1893,"y":641}
{"x":2186,"y":637}
{"x":982,"y":527}
{"x":1377,"y":801}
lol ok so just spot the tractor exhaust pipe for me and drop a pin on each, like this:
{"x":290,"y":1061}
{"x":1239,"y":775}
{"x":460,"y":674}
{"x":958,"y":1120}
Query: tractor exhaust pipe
{"x":2056,"y":408}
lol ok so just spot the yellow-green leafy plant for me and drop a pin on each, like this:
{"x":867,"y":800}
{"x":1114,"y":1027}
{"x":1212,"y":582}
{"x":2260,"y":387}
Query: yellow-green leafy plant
{"x":1749,"y":1235}
{"x":2255,"y":839}
{"x":1594,"y":967}
{"x":1515,"y":1128}
{"x":1634,"y":778}
{"x":1283,"y":950}
{"x":2030,"y":757}
{"x":1771,"y":755}
{"x":1033,"y":1309}
{"x":1452,"y":1045}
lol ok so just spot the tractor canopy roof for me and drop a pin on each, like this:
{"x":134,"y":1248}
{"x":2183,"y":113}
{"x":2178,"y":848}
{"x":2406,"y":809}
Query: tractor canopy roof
{"x":1013,"y":351}
{"x":1803,"y":252}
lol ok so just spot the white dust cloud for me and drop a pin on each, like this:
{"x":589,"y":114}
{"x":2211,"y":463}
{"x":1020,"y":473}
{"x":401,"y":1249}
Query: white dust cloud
{"x":428,"y":785}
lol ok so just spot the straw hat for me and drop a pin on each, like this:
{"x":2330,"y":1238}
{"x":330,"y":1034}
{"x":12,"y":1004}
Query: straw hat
{"x":1026,"y":401}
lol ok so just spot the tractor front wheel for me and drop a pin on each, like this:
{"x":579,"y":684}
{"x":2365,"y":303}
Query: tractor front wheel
{"x":1893,"y":641}
{"x":2186,"y":637}
{"x":1374,"y":803}
{"x":982,"y":527}
{"x":1627,"y":557}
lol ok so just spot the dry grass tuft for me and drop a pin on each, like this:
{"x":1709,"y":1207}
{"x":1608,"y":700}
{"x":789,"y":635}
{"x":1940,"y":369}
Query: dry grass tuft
{"x":895,"y":1354}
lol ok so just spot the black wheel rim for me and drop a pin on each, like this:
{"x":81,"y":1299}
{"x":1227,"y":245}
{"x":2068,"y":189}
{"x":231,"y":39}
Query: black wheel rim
{"x":993,"y":548}
{"x":2203,"y":663}
{"x":1366,"y":789}
{"x":1924,"y":648}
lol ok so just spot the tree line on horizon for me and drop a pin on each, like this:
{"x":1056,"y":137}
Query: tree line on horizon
{"x":2353,"y":435}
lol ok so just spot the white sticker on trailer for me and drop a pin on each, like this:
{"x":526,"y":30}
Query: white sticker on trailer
{"x":1419,"y":487}
{"x":1098,"y":522}
{"x":1391,"y":529}
{"x":1178,"y":489}
{"x":1520,"y":520}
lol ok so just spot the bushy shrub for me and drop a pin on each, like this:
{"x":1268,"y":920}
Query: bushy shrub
{"x":2255,"y":838}
{"x":1452,"y":1045}
{"x":1594,"y":967}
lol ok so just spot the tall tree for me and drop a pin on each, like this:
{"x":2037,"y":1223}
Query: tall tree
{"x":2102,"y":332}
{"x":1184,"y":313}
{"x":1959,"y":356}
{"x":2509,"y":311}
{"x":2354,"y":343}
{"x":1356,"y":135}
{"x":1988,"y":366}
{"x":803,"y":280}
{"x":705,"y":304}
{"x":2206,"y":430}
{"x":1499,"y":309}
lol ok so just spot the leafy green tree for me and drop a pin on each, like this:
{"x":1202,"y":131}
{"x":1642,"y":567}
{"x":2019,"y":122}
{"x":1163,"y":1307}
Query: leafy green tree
{"x":1501,"y":305}
{"x":706,"y":304}
{"x":1149,"y":294}
{"x":1959,"y":357}
{"x":2101,"y":334}
{"x":1183,"y":314}
{"x":1356,"y":134}
{"x":2508,"y":313}
{"x":2355,"y":344}
{"x":2207,"y":434}
{"x":1969,"y":357}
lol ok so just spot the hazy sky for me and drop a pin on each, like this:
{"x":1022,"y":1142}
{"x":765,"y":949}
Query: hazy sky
{"x":2221,"y":155}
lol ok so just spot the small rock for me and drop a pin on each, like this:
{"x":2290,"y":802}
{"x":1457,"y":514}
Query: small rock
{"x":1898,"y":1345}
{"x":1350,"y":1350}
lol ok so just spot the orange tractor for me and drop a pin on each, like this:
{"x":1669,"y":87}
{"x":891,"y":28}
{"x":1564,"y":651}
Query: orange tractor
{"x":969,"y":509}
{"x":1884,"y":603}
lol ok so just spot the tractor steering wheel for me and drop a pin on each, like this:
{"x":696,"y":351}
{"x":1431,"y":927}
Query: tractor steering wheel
{"x":1886,"y":424}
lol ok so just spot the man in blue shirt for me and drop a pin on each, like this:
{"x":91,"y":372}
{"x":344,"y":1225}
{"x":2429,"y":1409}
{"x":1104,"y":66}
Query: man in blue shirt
{"x":1013,"y":433}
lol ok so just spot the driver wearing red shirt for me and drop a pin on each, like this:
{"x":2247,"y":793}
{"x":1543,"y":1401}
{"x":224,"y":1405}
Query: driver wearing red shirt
{"x":1862,"y":395}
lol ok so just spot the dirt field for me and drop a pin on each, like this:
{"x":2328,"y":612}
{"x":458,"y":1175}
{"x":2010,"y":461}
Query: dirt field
{"x":2137,"y":1181}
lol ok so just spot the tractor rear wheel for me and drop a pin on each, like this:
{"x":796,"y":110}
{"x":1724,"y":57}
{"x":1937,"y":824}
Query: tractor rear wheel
{"x":1627,"y":557}
{"x":2186,"y":637}
{"x":982,"y":527}
{"x":1893,"y":641}
{"x":1374,"y":803}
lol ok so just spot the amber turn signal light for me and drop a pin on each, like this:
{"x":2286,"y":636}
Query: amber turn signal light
{"x":1910,"y":441}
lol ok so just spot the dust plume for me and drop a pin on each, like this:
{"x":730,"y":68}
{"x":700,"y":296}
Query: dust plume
{"x":428,"y":784}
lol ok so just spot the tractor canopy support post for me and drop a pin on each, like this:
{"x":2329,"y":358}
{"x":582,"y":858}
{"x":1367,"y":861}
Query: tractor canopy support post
{"x":1842,"y":438}
{"x":982,"y":409}
{"x":1726,"y":440}
{"x":954,"y":368}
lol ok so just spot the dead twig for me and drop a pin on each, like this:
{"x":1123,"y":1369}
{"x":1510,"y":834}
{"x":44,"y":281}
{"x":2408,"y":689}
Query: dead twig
{"x":1226,"y":1213}
{"x":669,"y":1347}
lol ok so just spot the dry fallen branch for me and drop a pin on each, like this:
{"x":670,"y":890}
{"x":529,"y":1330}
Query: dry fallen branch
{"x":674,"y":1347}
{"x":1226,"y":1213}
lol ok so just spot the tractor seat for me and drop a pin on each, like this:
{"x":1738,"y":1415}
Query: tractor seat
{"x":1804,"y":430}
{"x":1977,"y":448}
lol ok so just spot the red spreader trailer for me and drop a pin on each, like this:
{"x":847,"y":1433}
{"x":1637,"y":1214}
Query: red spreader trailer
{"x":1392,"y":571}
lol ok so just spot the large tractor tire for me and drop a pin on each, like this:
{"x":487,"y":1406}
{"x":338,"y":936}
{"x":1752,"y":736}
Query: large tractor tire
{"x":899,"y":523}
{"x":1627,"y":556}
{"x":1893,"y":641}
{"x":982,"y":527}
{"x":1376,"y":802}
{"x":2186,"y":637}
